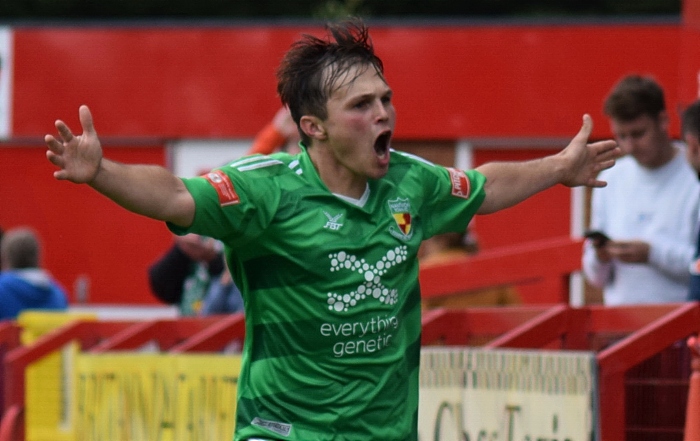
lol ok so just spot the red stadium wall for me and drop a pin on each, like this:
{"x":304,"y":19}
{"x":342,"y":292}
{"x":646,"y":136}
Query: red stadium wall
{"x":450,"y":82}
{"x":148,"y":85}
{"x":83,"y":233}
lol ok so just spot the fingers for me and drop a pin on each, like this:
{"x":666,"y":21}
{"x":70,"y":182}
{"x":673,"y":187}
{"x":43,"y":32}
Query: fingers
{"x":600,"y":166}
{"x":64,"y":131}
{"x":604,"y":150}
{"x":57,"y":160}
{"x":587,"y":123}
{"x":597,"y":183}
{"x":86,"y":120}
{"x":607,"y":148}
{"x":59,"y":146}
{"x":53,"y":144}
{"x":54,"y":158}
{"x":606,"y":153}
{"x":586,"y":127}
{"x":606,"y":164}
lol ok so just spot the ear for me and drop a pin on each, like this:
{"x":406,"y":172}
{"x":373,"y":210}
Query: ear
{"x":313,"y":127}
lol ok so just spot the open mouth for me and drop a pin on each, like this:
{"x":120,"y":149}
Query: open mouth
{"x":381,"y":145}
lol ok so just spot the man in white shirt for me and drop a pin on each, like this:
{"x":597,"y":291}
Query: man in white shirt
{"x":649,"y":209}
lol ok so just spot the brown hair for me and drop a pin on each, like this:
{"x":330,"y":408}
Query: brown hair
{"x":20,"y":249}
{"x":310,"y":70}
{"x":634,"y":96}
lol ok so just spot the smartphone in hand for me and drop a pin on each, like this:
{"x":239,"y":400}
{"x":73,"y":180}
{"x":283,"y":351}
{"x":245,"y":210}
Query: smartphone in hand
{"x":598,"y":237}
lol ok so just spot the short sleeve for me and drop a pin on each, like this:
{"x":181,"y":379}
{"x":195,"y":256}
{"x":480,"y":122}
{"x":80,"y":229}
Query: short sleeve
{"x":455,"y":196}
{"x":230,"y":205}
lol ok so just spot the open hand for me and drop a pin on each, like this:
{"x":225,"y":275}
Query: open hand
{"x":77,"y":157}
{"x":585,"y":160}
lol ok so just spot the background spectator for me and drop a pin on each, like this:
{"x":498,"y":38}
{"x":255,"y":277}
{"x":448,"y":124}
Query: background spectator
{"x":23,"y":283}
{"x":690,"y":130}
{"x":649,"y":208}
{"x":223,"y":296}
{"x":183,"y":274}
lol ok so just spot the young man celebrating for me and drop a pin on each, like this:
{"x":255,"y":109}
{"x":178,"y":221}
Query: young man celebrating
{"x":323,"y":244}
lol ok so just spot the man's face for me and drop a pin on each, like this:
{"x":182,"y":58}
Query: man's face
{"x":645,"y":138}
{"x":693,"y":150}
{"x":361,"y":119}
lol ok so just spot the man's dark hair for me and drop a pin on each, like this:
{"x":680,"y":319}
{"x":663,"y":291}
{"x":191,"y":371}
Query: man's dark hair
{"x":20,"y":249}
{"x":690,"y":119}
{"x":311,"y":69}
{"x":634,"y":96}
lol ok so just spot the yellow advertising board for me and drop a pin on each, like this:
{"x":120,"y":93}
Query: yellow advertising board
{"x":155,"y":397}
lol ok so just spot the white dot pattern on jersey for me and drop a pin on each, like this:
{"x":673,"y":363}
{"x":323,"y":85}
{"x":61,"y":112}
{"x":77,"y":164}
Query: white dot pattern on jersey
{"x":372,"y":274}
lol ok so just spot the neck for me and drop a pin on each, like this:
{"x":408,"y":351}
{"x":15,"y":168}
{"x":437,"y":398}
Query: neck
{"x":668,"y":155}
{"x":338,"y":178}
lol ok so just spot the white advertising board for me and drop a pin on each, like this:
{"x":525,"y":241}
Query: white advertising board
{"x":469,"y":394}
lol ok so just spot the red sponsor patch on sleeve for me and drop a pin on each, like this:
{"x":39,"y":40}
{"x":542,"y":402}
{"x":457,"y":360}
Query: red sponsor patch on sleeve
{"x":461,"y":187}
{"x":223,"y":186}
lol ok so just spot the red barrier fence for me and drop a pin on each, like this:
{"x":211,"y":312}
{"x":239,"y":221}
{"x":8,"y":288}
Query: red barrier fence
{"x":550,"y":262}
{"x":643,"y":369}
{"x":643,"y":364}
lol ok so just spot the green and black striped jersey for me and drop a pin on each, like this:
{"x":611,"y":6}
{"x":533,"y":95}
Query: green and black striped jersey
{"x":332,"y":299}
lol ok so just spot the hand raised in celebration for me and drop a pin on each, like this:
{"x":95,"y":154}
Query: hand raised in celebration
{"x":77,"y":157}
{"x":586,"y":159}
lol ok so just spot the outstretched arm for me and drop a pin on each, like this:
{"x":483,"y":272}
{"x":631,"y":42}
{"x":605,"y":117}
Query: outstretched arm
{"x":149,"y":190}
{"x":508,"y":183}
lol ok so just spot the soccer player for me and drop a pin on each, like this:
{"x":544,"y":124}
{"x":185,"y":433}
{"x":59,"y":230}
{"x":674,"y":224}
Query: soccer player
{"x":323,"y":244}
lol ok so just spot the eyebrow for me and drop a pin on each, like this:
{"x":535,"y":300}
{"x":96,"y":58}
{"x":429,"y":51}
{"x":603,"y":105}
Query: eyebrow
{"x":364,"y":96}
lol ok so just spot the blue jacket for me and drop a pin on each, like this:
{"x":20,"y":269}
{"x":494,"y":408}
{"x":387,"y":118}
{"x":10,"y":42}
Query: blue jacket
{"x":31,"y":288}
{"x":222,"y":299}
{"x":694,"y":291}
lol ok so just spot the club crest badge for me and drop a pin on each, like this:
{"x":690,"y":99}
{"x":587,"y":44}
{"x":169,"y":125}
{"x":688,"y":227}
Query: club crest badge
{"x":401,"y":211}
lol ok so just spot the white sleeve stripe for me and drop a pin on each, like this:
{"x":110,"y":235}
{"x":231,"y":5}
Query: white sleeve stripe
{"x":417,"y":158}
{"x":259,"y":165}
{"x":242,"y":161}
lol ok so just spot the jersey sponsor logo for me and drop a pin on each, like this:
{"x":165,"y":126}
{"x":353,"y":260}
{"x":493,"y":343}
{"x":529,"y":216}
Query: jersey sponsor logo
{"x":401,"y":211}
{"x":332,"y":223}
{"x":283,"y":429}
{"x":351,"y":335}
{"x":460,"y":183}
{"x":223,"y":186}
{"x":372,"y":288}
